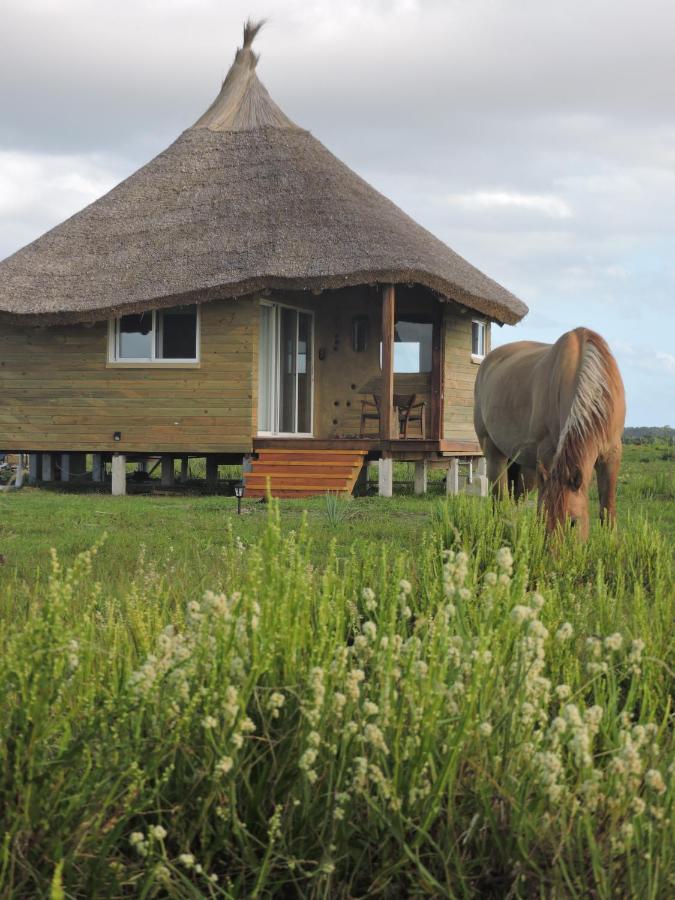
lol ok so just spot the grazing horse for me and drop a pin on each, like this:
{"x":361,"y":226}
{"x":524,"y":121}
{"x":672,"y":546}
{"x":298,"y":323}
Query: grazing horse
{"x":548,"y":414}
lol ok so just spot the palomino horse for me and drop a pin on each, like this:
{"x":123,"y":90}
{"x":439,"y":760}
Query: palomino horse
{"x":548,"y":414}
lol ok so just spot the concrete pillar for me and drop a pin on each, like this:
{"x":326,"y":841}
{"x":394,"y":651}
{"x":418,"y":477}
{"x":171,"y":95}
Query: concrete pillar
{"x":184,"y":470}
{"x":168,"y":478}
{"x":18,"y":479}
{"x":247,"y":464}
{"x":481,"y":468}
{"x":480,"y":485}
{"x":119,"y":475}
{"x":47,"y":466}
{"x":34,"y":461}
{"x":386,"y":477}
{"x":452,"y":478}
{"x":65,"y":467}
{"x":421,"y":476}
{"x":469,"y":477}
{"x":97,"y":467}
{"x":211,"y":472}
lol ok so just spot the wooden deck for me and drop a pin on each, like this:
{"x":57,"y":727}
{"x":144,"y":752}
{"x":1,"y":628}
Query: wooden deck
{"x":410,"y":448}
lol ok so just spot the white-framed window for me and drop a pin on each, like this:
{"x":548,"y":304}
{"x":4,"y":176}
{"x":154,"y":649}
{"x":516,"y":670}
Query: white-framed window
{"x":159,"y":336}
{"x":478,"y":339}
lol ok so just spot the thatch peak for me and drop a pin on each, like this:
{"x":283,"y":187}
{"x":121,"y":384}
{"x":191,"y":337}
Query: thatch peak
{"x":243,"y":103}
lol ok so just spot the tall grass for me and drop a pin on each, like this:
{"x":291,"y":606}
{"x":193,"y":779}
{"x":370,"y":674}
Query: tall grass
{"x":472,"y":717}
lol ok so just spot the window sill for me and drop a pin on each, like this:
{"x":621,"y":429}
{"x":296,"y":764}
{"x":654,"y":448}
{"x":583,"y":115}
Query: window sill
{"x":153,"y":365}
{"x":476,"y":360}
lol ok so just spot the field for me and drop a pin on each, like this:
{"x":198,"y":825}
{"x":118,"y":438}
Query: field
{"x":376,"y":698}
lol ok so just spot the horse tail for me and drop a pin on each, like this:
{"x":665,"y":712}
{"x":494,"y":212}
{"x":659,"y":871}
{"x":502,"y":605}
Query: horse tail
{"x":590,"y":414}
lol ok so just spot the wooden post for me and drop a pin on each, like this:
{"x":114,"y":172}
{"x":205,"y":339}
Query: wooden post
{"x":33,"y":468}
{"x":65,"y":467}
{"x":437,"y":357}
{"x":452,"y":479}
{"x":385,"y":481}
{"x":18,"y":479}
{"x":119,"y":475}
{"x":387,"y":417}
{"x":211,"y":472}
{"x":47,"y":466}
{"x":168,"y":478}
{"x":421,"y":476}
{"x":184,"y":470}
{"x":96,"y":467}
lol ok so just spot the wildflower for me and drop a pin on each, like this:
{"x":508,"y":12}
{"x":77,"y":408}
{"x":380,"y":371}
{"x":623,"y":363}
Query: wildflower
{"x":308,"y":758}
{"x":370,"y":630}
{"x":536,"y":601}
{"x":339,"y":701}
{"x":505,"y":560}
{"x":209,"y":722}
{"x":594,"y":646}
{"x":564,"y":633}
{"x":158,"y":832}
{"x":368,"y":595}
{"x":354,"y":677}
{"x":563,"y":691}
{"x":375,"y":737}
{"x":627,"y":831}
{"x":538,"y":629}
{"x":485,"y":729}
{"x":187,"y":860}
{"x":275,"y":702}
{"x":163,"y":874}
{"x":224,"y":765}
{"x":490,"y":579}
{"x":614,"y":641}
{"x":370,"y":708}
{"x":654,"y":780}
{"x":521,"y":614}
{"x":405,"y":586}
{"x":136,"y":837}
{"x":314,"y":739}
{"x":638,"y":806}
{"x":247,"y":725}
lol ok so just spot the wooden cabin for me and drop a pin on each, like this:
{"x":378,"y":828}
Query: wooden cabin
{"x":243,"y":296}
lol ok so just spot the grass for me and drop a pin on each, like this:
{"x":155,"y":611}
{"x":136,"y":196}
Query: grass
{"x":330,"y":699}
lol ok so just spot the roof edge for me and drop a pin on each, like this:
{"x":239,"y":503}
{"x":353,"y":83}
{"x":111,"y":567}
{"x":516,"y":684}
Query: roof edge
{"x":244,"y":289}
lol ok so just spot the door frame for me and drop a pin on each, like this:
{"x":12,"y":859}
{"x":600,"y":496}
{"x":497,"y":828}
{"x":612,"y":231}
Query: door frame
{"x":275,"y":373}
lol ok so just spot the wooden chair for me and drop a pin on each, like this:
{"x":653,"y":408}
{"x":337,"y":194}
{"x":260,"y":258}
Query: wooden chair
{"x":410,"y":412}
{"x":405,"y":409}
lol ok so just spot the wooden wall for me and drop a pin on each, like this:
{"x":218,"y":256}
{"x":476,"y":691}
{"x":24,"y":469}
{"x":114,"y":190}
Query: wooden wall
{"x":58,"y":393}
{"x":459,"y":375}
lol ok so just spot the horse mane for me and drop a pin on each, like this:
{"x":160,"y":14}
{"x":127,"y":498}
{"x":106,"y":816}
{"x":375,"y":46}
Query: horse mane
{"x":589,"y":417}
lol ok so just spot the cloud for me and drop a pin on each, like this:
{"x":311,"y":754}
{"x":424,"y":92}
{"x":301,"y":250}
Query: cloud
{"x":548,"y":204}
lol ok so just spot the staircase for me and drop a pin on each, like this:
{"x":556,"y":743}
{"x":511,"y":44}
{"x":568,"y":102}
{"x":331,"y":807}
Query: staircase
{"x":303,"y":473}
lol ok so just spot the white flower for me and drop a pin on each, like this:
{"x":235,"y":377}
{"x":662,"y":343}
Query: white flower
{"x":405,"y":586}
{"x":209,"y":722}
{"x":614,"y":641}
{"x":375,"y":737}
{"x":370,"y":708}
{"x":654,"y":780}
{"x":224,"y":765}
{"x":370,"y":630}
{"x":521,"y":614}
{"x":187,"y":860}
{"x":563,"y":691}
{"x":158,"y":832}
{"x":505,"y":559}
{"x":485,"y":729}
{"x":136,"y":837}
{"x":564,"y":633}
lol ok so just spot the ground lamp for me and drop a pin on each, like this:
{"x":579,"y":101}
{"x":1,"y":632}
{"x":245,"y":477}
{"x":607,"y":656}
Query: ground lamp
{"x":239,"y":493}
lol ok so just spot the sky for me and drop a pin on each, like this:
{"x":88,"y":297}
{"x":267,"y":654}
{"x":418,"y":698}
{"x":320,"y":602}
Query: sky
{"x":535,"y":137}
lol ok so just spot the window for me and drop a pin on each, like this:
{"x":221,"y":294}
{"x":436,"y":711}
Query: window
{"x":360,"y":329}
{"x":478,"y":339}
{"x":412,"y":346}
{"x":158,"y":336}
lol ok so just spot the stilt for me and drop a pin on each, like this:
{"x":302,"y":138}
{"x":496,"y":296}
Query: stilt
{"x":481,"y":468}
{"x":47,"y":466}
{"x":34,"y":461}
{"x":184,"y":470}
{"x":168,"y":477}
{"x":452,"y":478}
{"x":421,"y":476}
{"x":18,"y":479}
{"x":119,"y":475}
{"x":386,"y":476}
{"x":97,"y":468}
{"x":469,"y":477}
{"x":211,"y":472}
{"x":65,"y":467}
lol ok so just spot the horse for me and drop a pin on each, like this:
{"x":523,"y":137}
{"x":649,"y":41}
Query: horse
{"x":548,"y":415}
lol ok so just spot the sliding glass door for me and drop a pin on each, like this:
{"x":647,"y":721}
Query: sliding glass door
{"x":285,"y":370}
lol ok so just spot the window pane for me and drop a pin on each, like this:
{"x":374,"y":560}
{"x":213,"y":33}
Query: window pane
{"x":478,"y":338}
{"x":178,"y":333}
{"x":412,"y":347}
{"x":135,"y":337}
{"x":304,"y":373}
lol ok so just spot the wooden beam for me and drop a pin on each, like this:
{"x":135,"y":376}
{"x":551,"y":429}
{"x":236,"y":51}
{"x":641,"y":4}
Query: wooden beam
{"x":437,"y":342}
{"x":387,"y":417}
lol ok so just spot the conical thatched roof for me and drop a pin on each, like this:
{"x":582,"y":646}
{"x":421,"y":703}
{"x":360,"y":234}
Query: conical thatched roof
{"x":243,"y":201}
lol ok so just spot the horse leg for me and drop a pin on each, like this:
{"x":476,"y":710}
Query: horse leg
{"x":497,"y":467}
{"x":607,"y":471}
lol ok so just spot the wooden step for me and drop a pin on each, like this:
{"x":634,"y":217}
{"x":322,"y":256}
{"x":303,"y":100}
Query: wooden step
{"x":303,"y":473}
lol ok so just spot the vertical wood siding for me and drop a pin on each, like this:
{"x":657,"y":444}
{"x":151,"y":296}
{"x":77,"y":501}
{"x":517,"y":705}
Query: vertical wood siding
{"x":459,"y":377}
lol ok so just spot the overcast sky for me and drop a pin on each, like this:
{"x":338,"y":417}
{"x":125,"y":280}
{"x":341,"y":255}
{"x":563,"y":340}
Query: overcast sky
{"x":535,"y":137}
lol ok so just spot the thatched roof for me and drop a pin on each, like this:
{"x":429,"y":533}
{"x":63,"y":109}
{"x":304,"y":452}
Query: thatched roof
{"x":243,"y":201}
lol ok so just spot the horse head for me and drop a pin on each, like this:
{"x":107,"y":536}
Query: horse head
{"x":563,"y":497}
